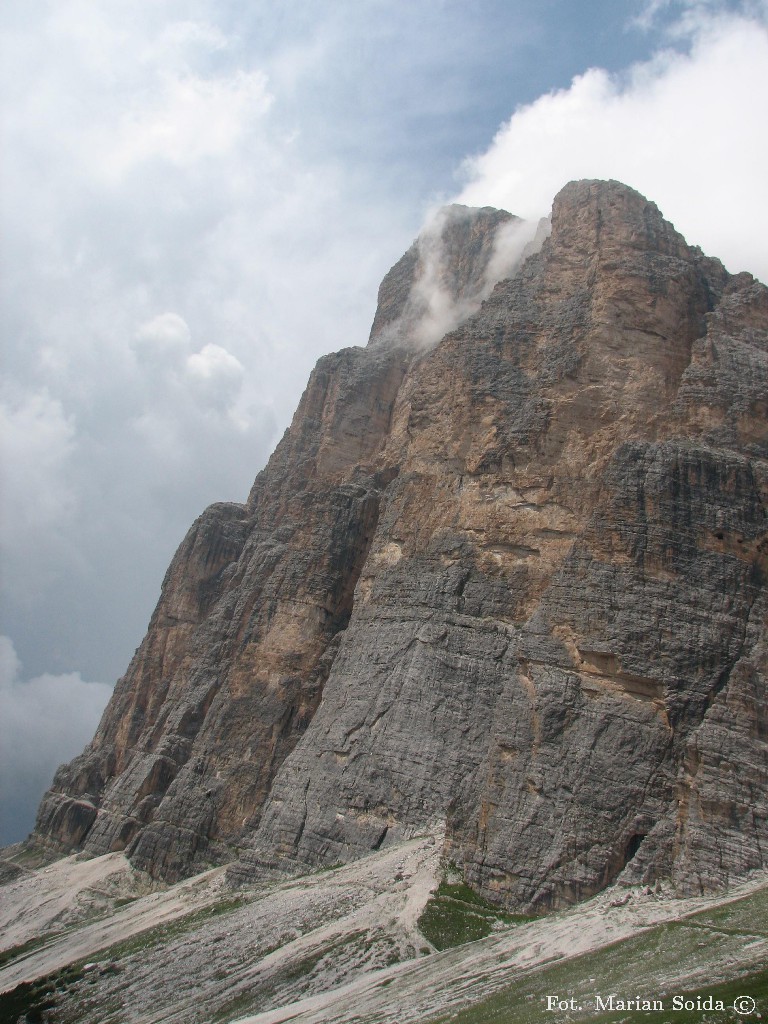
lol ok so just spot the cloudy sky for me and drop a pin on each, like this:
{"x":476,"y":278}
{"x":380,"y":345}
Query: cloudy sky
{"x":199,"y":199}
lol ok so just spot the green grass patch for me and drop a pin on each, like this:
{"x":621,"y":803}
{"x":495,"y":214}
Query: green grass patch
{"x":748,"y":915}
{"x":164,"y":933}
{"x":455,"y":914}
{"x":646,"y":966}
{"x":306,"y":966}
{"x":237,"y":1006}
{"x":32,"y":1001}
{"x":324,"y":868}
{"x":447,"y":923}
{"x":526,"y":1002}
{"x":754,"y":985}
{"x":14,"y":952}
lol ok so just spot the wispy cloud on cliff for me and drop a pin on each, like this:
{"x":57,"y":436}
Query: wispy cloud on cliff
{"x":685,"y":128}
{"x":433,"y":307}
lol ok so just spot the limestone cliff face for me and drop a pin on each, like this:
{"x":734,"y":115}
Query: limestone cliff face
{"x":515,"y":581}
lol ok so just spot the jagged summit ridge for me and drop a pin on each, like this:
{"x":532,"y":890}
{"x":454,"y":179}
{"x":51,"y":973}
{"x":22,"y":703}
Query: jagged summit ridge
{"x":513,"y":581}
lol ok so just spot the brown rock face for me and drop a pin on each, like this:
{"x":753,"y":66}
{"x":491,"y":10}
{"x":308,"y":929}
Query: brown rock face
{"x":515,"y":581}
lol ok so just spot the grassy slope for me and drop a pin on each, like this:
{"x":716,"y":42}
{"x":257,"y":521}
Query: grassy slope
{"x":455,"y":914}
{"x":691,"y":956}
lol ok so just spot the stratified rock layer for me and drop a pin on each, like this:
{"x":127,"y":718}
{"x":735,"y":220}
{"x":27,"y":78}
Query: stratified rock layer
{"x":515,"y":582}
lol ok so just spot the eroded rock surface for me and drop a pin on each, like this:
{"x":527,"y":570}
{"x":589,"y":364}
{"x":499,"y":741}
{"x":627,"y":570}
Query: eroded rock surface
{"x":515,"y":581}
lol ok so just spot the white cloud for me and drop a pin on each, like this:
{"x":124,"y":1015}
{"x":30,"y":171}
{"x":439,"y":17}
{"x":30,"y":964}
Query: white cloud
{"x":44,"y":721}
{"x":187,"y":119}
{"x":215,"y":376}
{"x":687,"y":130}
{"x":213,"y":362}
{"x":432,"y":310}
{"x":174,"y":265}
{"x":165,"y":333}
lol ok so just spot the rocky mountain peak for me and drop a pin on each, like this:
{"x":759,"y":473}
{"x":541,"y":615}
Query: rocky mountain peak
{"x":446,"y":274}
{"x":590,"y":214}
{"x":505,"y":573}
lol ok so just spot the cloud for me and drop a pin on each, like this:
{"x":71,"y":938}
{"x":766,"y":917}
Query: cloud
{"x":37,"y":443}
{"x":175,"y":264}
{"x":166,"y":334}
{"x":215,"y":375}
{"x":685,"y":129}
{"x":515,"y":241}
{"x":44,"y":722}
{"x":190,"y":118}
{"x":211,"y":377}
{"x":433,"y":306}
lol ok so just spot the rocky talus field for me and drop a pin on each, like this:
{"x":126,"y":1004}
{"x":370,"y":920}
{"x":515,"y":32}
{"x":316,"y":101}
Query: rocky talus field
{"x":473,"y":686}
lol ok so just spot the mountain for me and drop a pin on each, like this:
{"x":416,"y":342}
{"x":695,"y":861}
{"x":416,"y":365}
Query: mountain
{"x":505,"y":573}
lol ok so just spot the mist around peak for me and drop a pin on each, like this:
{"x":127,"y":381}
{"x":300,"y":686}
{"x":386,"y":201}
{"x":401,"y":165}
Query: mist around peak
{"x":458,"y":258}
